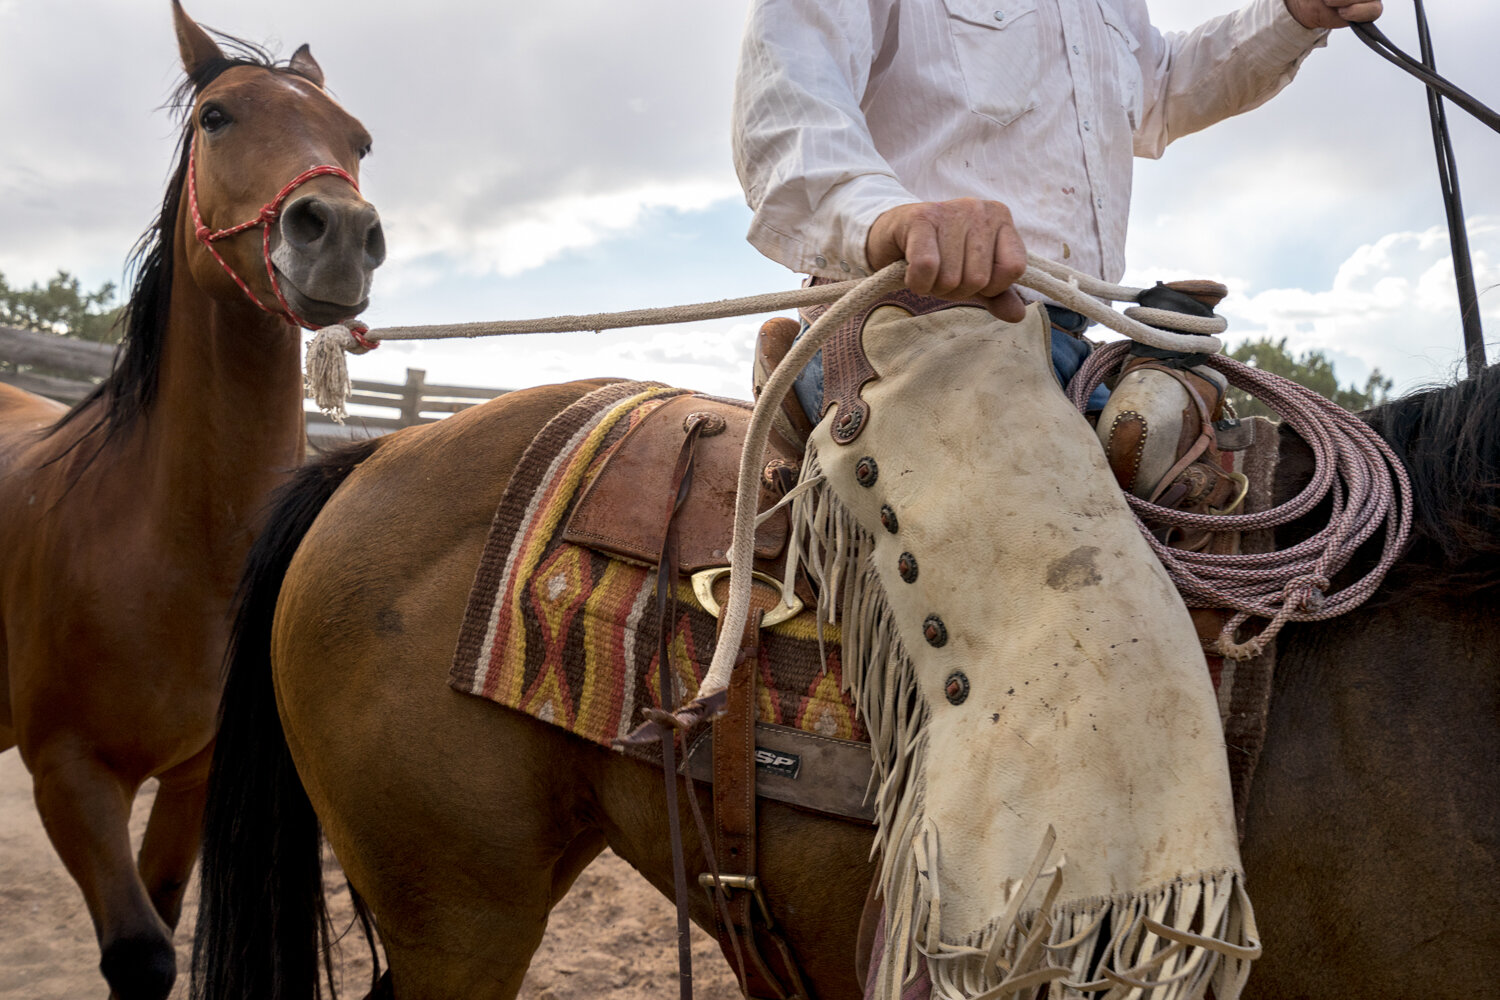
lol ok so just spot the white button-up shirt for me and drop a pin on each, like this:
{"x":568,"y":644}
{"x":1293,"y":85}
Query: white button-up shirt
{"x":846,"y":108}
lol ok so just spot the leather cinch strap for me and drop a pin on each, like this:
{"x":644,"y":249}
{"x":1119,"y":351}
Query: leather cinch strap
{"x":754,"y":947}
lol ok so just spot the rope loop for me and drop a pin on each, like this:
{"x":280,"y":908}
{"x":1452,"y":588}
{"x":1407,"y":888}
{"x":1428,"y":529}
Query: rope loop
{"x":357,"y":331}
{"x":1354,"y":469}
{"x":1310,"y":592}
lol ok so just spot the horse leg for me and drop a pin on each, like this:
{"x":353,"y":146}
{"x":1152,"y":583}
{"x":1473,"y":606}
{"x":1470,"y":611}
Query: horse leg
{"x":465,"y":917}
{"x":85,"y":808}
{"x":170,"y":847}
{"x":814,"y":869}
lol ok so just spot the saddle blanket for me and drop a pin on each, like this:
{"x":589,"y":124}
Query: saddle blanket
{"x":570,"y":636}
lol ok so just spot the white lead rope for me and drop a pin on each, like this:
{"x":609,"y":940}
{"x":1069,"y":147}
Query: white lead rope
{"x":328,"y":379}
{"x":327,"y":373}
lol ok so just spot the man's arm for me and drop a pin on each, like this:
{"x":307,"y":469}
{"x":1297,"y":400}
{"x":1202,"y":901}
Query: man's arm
{"x":1229,"y":64}
{"x":805,"y":158}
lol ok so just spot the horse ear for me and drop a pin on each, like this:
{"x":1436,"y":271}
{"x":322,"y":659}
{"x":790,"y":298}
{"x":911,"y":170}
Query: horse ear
{"x":303,"y":63}
{"x":192,"y":41}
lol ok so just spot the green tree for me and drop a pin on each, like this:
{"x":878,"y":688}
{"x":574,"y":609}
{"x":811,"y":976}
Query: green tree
{"x":63,"y":307}
{"x":1311,"y":369}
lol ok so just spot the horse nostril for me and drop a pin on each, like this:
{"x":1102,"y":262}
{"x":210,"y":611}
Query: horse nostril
{"x":305,"y":222}
{"x":375,"y":245}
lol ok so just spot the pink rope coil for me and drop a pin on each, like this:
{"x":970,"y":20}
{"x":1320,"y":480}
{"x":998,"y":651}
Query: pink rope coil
{"x":1354,"y":466}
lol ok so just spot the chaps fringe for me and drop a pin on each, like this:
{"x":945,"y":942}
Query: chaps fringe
{"x":1167,"y":942}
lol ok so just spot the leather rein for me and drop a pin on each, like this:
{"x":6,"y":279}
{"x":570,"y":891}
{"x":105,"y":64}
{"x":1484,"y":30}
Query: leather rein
{"x":1438,"y":87}
{"x":265,"y":218}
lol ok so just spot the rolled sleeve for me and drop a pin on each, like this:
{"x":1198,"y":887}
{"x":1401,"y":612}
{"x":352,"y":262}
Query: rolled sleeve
{"x":1224,"y":67}
{"x":803,"y":152}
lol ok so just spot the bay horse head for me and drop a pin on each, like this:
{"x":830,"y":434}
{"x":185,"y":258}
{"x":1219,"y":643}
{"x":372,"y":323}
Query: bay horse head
{"x":272,"y":186}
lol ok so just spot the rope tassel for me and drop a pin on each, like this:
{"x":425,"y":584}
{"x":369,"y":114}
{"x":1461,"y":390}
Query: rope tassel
{"x":326,"y":375}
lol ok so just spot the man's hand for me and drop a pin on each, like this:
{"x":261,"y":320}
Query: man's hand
{"x":965,"y":250}
{"x":1332,"y":13}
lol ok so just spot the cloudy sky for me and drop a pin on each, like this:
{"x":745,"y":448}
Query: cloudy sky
{"x":529,"y":162}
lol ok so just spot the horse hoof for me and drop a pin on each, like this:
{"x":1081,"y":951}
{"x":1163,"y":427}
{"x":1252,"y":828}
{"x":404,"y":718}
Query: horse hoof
{"x":139,"y":968}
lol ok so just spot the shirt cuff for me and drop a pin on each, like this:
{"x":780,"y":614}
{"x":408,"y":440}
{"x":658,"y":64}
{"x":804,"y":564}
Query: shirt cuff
{"x":1287,"y":41}
{"x":831,"y":242}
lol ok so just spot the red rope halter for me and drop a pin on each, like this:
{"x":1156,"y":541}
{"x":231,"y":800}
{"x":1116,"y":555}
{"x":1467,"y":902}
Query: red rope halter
{"x":267,"y":217}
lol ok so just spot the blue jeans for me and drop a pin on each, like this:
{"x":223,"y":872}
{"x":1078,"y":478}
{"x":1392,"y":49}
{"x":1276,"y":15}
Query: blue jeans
{"x":1068,"y":352}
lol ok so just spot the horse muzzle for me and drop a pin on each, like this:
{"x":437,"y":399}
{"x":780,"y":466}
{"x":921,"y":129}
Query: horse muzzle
{"x":326,"y":249}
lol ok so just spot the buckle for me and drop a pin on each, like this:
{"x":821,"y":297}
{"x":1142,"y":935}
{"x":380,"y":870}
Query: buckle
{"x":788,"y":604}
{"x":1243,"y":482}
{"x":738,"y":883}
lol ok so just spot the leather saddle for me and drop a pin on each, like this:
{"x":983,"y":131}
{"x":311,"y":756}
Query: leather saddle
{"x":623,"y":510}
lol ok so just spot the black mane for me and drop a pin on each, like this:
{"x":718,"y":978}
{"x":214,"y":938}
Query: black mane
{"x":1449,"y":440}
{"x":130,"y":389}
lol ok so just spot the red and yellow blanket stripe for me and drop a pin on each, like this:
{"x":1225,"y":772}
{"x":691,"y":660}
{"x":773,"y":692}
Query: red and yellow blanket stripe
{"x":569,"y":635}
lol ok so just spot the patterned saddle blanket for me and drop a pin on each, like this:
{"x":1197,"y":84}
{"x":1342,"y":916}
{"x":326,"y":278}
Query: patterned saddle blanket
{"x":568,"y":633}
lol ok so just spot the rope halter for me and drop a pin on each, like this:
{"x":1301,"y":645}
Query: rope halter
{"x":266,"y":219}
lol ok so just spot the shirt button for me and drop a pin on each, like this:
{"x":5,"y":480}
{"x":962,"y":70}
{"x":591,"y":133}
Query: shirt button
{"x":1075,"y":50}
{"x":1087,"y":127}
{"x":820,"y":260}
{"x":844,"y":266}
{"x":999,"y":15}
{"x":1099,"y":202}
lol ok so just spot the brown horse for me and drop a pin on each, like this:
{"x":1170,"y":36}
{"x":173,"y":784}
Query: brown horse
{"x":124,"y":521}
{"x":1372,"y":839}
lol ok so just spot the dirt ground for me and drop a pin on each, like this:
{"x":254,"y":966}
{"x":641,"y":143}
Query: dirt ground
{"x":613,"y":936}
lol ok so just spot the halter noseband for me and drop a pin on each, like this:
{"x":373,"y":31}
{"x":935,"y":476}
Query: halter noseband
{"x":265,"y":218}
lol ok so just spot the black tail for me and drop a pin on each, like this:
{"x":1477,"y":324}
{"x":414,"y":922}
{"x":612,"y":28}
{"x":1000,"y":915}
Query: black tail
{"x":262,"y":923}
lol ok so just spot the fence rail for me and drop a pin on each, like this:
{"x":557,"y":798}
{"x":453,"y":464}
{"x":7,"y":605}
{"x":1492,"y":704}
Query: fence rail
{"x":74,"y":367}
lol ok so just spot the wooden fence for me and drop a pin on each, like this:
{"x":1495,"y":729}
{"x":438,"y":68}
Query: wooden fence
{"x":83,"y":364}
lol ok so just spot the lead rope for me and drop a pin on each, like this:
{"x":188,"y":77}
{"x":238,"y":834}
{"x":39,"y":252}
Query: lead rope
{"x":328,"y":374}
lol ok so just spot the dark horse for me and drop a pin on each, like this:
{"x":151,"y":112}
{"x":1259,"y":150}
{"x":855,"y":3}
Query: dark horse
{"x":124,"y":521}
{"x":1373,"y":829}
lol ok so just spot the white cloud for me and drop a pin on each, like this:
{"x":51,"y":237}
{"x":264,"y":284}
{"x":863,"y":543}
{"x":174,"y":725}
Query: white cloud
{"x":429,"y":244}
{"x":1392,"y":305}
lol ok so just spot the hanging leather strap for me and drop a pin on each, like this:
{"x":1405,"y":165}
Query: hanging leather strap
{"x":666,"y":610}
{"x":750,"y":939}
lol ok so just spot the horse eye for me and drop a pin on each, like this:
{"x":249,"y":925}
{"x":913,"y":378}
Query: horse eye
{"x":212,"y":118}
{"x":364,"y":150}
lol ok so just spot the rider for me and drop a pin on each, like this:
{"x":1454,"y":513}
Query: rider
{"x":956,"y":134}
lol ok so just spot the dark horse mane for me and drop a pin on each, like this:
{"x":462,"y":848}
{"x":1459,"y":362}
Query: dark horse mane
{"x":1449,"y":440}
{"x":128,"y":392}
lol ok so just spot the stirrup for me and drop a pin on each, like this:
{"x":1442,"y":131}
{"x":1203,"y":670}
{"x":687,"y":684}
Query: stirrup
{"x":1159,"y":426}
{"x":1160,"y":439}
